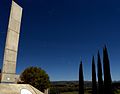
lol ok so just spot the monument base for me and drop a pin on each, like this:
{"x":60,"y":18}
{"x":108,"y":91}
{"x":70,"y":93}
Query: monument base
{"x":18,"y":89}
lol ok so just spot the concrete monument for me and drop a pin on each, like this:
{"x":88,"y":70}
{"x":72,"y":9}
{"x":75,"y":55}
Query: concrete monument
{"x":11,"y":48}
{"x":8,"y":85}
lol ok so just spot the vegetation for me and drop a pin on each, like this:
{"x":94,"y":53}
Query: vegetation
{"x":72,"y":87}
{"x":107,"y":75}
{"x":105,"y":88}
{"x":81,"y":80}
{"x":64,"y":86}
{"x":36,"y":77}
{"x":100,"y":79}
{"x":94,"y":86}
{"x":69,"y":93}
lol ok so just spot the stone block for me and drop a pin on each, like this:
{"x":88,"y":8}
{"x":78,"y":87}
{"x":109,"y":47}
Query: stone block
{"x":14,"y":25}
{"x":16,"y":12}
{"x":8,"y":78}
{"x":10,"y":55}
{"x":9,"y":67}
{"x":12,"y":40}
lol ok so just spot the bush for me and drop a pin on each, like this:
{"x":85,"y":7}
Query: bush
{"x":36,"y":77}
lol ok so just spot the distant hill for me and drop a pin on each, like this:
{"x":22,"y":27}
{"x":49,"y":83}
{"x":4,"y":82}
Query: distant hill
{"x":86,"y":83}
{"x":76,"y":83}
{"x":73,"y":86}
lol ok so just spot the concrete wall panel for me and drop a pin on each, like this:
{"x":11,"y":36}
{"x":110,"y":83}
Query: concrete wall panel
{"x":10,"y":67}
{"x":8,"y":78}
{"x":14,"y":25}
{"x":12,"y":40}
{"x":16,"y":11}
{"x":10,"y":55}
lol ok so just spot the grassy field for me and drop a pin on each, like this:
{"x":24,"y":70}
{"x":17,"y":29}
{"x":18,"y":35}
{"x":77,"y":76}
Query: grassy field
{"x":118,"y":92}
{"x":73,"y":93}
{"x":77,"y":93}
{"x":70,"y":93}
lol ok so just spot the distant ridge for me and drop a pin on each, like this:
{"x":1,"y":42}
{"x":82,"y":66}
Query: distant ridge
{"x":86,"y":83}
{"x":63,"y":83}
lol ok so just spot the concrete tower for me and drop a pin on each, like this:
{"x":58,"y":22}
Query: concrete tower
{"x":10,"y":57}
{"x":11,"y":47}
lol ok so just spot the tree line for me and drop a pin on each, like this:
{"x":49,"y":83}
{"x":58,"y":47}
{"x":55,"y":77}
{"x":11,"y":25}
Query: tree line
{"x":100,"y":87}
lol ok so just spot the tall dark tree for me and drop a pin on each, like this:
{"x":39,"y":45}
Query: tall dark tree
{"x":0,"y":75}
{"x":107,"y":75}
{"x":81,"y":79}
{"x":94,"y":86}
{"x":100,"y":79}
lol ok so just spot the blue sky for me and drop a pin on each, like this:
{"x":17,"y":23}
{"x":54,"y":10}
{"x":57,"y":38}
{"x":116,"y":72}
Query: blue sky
{"x":57,"y":34}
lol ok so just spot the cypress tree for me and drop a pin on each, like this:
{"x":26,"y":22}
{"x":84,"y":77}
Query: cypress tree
{"x":100,"y":80}
{"x":107,"y":75}
{"x":81,"y":79}
{"x":94,"y":86}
